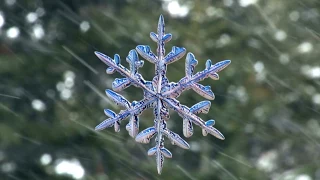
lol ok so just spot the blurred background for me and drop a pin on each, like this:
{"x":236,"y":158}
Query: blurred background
{"x":52,"y":88}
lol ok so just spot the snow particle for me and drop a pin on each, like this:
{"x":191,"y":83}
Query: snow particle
{"x":280,"y":35}
{"x":8,"y":167}
{"x":65,"y":94}
{"x":315,"y":72}
{"x":38,"y":105}
{"x":40,"y":12}
{"x":10,"y":2}
{"x":311,"y":72}
{"x":316,"y":99}
{"x":84,"y":26}
{"x":13,"y":32}
{"x":38,"y":31}
{"x":245,"y":3}
{"x":266,"y":161}
{"x":70,"y":167}
{"x":303,"y":177}
{"x":1,"y":19}
{"x":176,"y":9}
{"x":45,"y":159}
{"x":223,"y":40}
{"x":305,"y":47}
{"x":258,"y":66}
{"x":228,"y":2}
{"x":294,"y":15}
{"x":31,"y":17}
{"x":284,"y":58}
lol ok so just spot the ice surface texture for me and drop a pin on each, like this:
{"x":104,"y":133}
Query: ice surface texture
{"x":160,"y":94}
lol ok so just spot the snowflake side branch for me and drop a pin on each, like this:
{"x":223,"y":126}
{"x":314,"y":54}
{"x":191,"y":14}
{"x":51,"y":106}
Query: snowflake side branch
{"x":146,"y":53}
{"x":145,"y":136}
{"x":176,"y":139}
{"x":201,"y":107}
{"x":118,"y":99}
{"x":175,"y":54}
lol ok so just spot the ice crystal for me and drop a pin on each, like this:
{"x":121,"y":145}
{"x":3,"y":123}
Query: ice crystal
{"x":160,"y":94}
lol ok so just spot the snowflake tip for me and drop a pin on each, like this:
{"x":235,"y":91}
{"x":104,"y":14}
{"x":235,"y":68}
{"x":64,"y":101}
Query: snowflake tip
{"x":213,"y":131}
{"x":175,"y":54}
{"x":166,"y":152}
{"x":210,"y":122}
{"x":167,"y":37}
{"x":204,"y":91}
{"x":201,"y":107}
{"x":118,"y":99}
{"x":176,"y":139}
{"x":152,"y":151}
{"x":214,"y":76}
{"x":219,"y":66}
{"x":145,"y":135}
{"x":109,"y":113}
{"x":159,"y":160}
{"x":161,"y":27}
{"x":146,"y":53}
{"x":100,"y":55}
{"x":120,"y":83}
{"x":110,"y":70}
{"x":117,"y":59}
{"x":154,"y":36}
{"x":105,"y":124}
{"x":208,"y":64}
{"x":191,"y":63}
{"x":104,"y":58}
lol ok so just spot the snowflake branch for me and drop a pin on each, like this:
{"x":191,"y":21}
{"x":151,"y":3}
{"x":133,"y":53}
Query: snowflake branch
{"x":160,"y":73}
{"x":185,"y":112}
{"x":174,"y":90}
{"x":159,"y":81}
{"x":132,"y":77}
{"x":133,"y":110}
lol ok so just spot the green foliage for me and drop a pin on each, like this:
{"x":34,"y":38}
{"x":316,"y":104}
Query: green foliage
{"x":267,"y":101}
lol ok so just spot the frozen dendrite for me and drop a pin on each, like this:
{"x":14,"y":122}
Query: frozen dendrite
{"x":160,"y":94}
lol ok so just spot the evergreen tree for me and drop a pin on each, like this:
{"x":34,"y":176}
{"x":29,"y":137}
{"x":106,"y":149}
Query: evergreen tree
{"x":267,"y":101}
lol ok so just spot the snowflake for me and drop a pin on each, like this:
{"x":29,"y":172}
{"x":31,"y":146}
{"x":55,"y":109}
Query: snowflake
{"x":160,"y":94}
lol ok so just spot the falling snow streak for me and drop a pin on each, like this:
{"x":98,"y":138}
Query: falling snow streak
{"x":80,"y":60}
{"x":9,"y":96}
{"x":160,"y":94}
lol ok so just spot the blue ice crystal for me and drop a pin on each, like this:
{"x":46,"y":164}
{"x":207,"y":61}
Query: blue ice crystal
{"x":160,"y":94}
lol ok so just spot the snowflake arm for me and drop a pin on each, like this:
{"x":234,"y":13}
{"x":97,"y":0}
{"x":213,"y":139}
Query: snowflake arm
{"x":133,"y":110}
{"x":174,"y":90}
{"x":160,"y":94}
{"x":132,"y":77}
{"x":186,"y":113}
